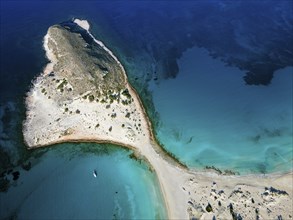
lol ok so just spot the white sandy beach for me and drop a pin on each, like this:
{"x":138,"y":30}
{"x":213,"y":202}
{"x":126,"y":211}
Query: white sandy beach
{"x":187,"y":193}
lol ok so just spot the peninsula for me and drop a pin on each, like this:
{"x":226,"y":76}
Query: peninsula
{"x":83,"y":96}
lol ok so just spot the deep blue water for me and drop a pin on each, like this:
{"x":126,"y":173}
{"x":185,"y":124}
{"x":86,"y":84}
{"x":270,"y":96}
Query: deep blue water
{"x":203,"y":112}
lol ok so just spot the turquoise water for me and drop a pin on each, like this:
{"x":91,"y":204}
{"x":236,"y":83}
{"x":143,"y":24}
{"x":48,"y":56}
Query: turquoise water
{"x":62,"y":186}
{"x":208,"y":116}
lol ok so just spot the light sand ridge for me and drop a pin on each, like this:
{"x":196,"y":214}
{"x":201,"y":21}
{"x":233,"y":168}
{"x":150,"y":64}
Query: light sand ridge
{"x":64,"y":111}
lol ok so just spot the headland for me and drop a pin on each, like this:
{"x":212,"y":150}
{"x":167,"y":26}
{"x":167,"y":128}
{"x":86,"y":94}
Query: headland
{"x":83,"y":96}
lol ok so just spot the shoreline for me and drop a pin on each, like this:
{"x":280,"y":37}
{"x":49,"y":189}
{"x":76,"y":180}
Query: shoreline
{"x":188,"y":169}
{"x":178,"y":183}
{"x":85,"y":25}
{"x":138,"y":156}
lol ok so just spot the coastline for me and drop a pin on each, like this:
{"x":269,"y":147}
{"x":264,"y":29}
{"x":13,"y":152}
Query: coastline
{"x":85,"y":25}
{"x":178,"y":184}
{"x":208,"y":119}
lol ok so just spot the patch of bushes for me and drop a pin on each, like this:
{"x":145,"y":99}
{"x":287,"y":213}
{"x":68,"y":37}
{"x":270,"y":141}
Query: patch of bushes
{"x":91,"y":98}
{"x":126,"y":93}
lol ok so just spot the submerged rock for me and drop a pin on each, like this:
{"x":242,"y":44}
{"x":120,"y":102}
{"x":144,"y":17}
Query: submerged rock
{"x":15,"y":175}
{"x":27,"y":166}
{"x":4,"y":184}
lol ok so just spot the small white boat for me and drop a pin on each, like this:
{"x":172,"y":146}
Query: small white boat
{"x":95,"y":173}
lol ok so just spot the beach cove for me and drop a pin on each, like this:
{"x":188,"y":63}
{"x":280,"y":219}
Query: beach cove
{"x":55,"y":115}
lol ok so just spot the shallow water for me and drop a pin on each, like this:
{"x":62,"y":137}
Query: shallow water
{"x":60,"y":183}
{"x":62,"y":186}
{"x":208,"y":116}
